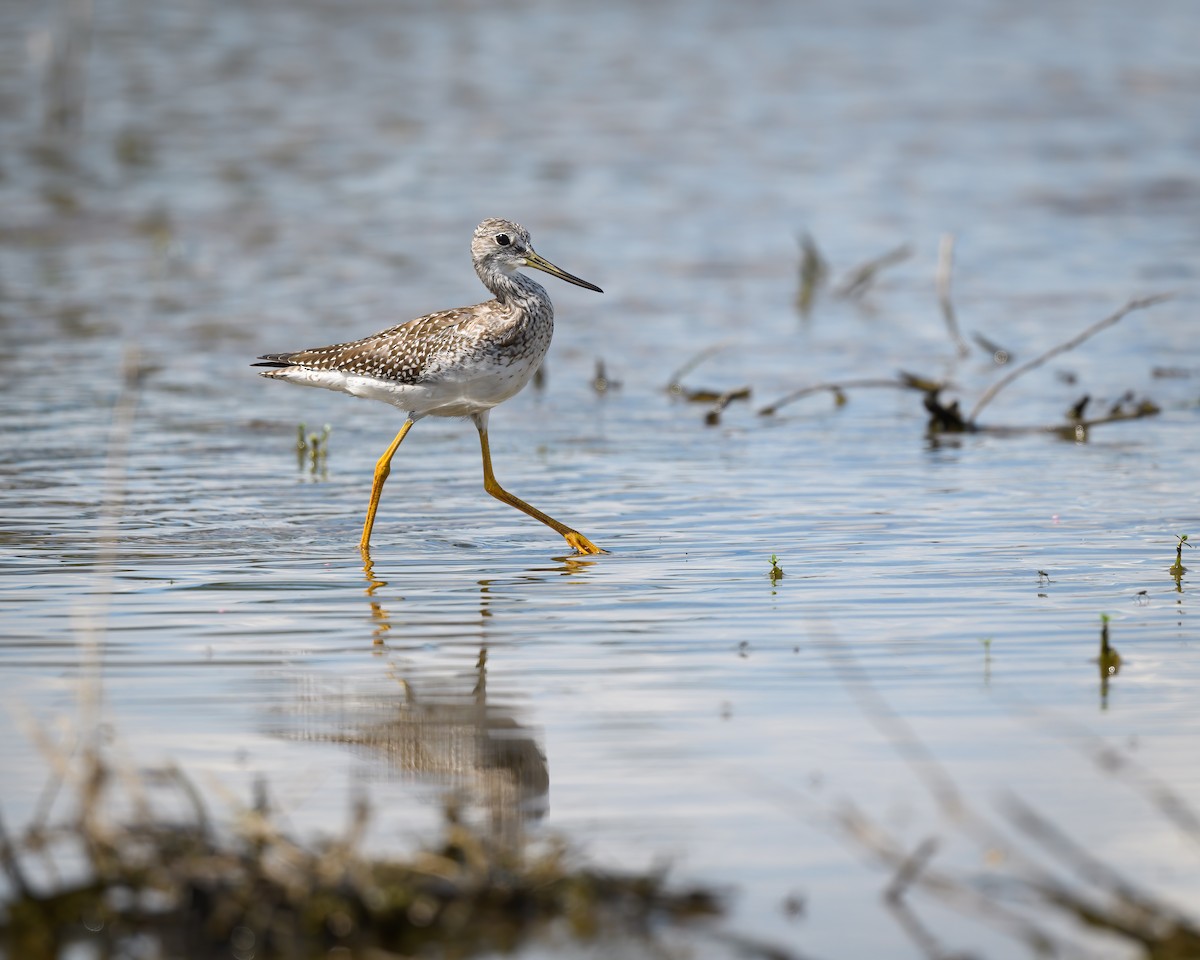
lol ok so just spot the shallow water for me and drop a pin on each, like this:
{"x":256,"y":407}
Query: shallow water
{"x":253,"y":180}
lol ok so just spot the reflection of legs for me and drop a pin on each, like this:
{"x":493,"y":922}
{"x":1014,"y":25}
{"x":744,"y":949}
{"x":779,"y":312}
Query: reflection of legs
{"x":576,"y":539}
{"x":382,"y":469}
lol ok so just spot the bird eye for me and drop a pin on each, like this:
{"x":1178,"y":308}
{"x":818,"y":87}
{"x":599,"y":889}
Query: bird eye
{"x":502,"y":239}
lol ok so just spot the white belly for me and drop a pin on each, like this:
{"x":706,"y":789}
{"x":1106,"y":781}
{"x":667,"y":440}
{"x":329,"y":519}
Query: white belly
{"x":446,"y":397}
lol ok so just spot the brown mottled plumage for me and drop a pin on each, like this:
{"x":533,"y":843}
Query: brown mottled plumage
{"x":459,"y":362}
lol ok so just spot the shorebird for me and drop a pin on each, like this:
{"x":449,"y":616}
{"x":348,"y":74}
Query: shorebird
{"x":456,"y":363}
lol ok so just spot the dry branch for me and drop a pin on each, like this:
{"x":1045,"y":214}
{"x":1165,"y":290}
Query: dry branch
{"x":838,"y":390}
{"x":995,"y":388}
{"x":944,"y":269}
{"x":856,"y":285}
{"x":675,"y":384}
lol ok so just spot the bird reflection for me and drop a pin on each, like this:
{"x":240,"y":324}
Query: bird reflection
{"x":478,"y":747}
{"x":436,"y":728}
{"x":381,"y":622}
{"x":441,"y":729}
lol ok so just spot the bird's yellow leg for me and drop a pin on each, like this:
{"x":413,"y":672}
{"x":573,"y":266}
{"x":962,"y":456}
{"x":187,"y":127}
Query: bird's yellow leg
{"x":579,"y":543}
{"x":382,"y":468}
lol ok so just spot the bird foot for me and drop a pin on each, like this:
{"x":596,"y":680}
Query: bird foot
{"x":581,"y":544}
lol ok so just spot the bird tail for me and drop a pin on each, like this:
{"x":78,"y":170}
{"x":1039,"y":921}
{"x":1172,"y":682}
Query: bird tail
{"x":275,"y":360}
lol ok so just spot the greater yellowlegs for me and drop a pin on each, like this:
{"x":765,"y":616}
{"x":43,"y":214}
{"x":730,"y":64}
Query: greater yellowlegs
{"x":456,"y":363}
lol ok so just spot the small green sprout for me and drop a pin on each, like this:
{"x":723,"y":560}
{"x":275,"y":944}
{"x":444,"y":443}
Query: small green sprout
{"x":1109,"y":659}
{"x":1181,"y":541}
{"x":776,"y":571}
{"x":313,"y":447}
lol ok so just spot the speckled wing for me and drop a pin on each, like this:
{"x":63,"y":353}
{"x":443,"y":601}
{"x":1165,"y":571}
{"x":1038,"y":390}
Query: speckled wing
{"x":403,"y":354}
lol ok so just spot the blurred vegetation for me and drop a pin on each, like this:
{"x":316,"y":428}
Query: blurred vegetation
{"x":1032,"y":882}
{"x":944,"y":416}
{"x":312,"y":450}
{"x":163,"y":880}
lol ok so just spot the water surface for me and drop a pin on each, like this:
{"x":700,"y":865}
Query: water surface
{"x":250,"y":180}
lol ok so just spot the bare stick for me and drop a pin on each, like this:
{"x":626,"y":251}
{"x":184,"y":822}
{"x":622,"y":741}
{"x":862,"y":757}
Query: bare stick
{"x":675,"y":385}
{"x":944,"y":268}
{"x":855,"y":286}
{"x":837,"y":389}
{"x":1071,"y":344}
{"x":93,"y":618}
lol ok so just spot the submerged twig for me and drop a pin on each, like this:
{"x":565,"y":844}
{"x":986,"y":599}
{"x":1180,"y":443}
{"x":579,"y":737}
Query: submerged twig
{"x":944,"y":268}
{"x":995,"y":388}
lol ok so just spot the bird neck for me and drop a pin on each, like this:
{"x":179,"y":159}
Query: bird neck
{"x":510,"y":287}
